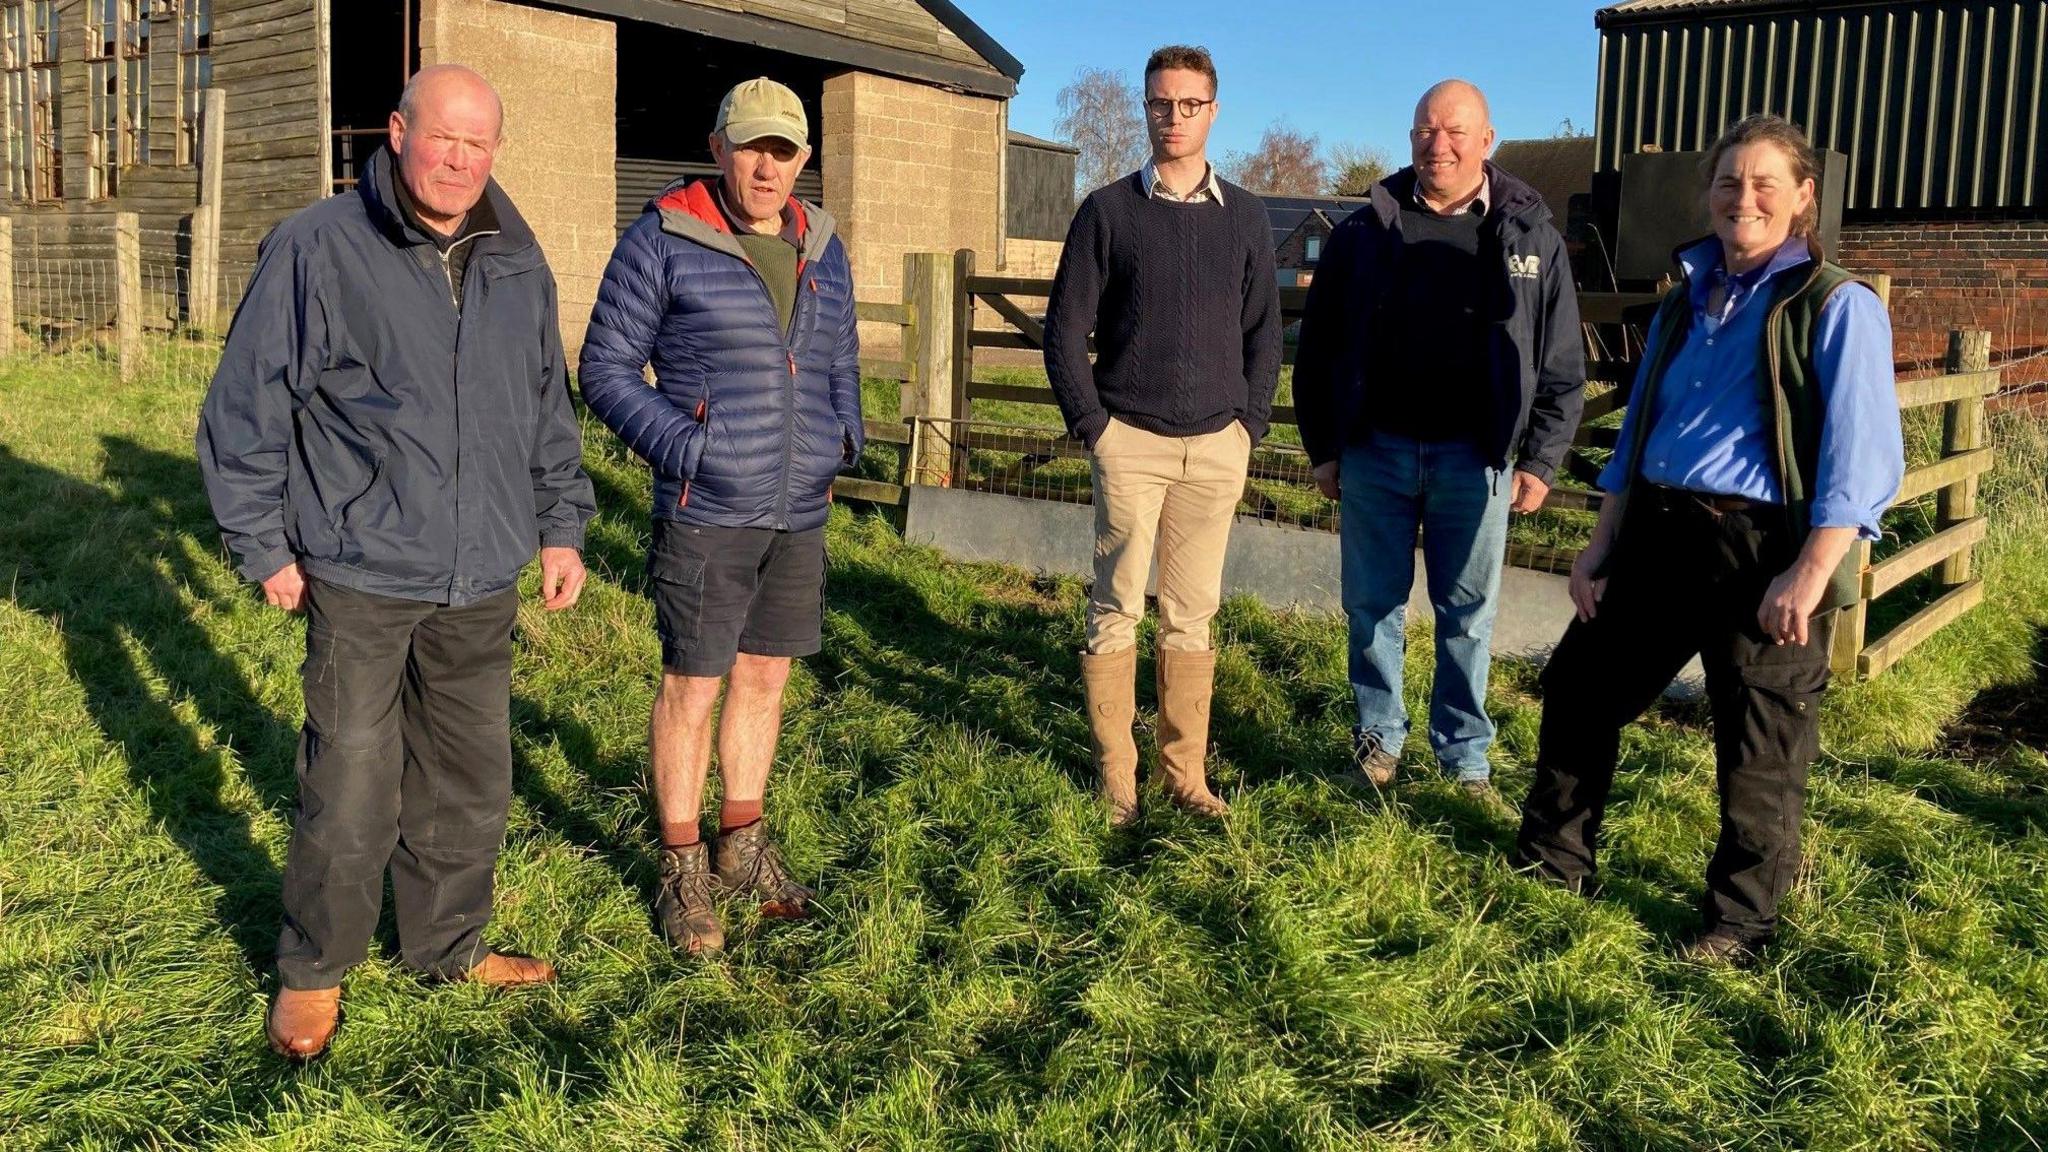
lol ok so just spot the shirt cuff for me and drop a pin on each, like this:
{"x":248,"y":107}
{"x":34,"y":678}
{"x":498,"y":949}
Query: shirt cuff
{"x":1836,"y":512}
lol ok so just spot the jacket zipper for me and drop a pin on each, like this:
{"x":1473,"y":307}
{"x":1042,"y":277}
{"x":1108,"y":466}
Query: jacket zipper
{"x":789,"y":385}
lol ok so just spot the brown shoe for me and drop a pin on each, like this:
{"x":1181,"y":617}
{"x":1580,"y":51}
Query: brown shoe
{"x":1373,"y":767}
{"x":302,"y":1021}
{"x":1111,"y":682}
{"x":683,"y":902}
{"x":504,"y":970}
{"x":749,"y":862}
{"x":1187,"y":680}
{"x":1717,"y":950}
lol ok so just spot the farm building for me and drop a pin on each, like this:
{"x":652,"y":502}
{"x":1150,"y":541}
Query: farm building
{"x":605,"y":101}
{"x":1940,"y":108}
{"x":1301,"y":226}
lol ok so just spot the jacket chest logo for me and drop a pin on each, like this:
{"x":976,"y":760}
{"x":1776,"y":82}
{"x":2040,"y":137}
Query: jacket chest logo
{"x":1524,"y":267}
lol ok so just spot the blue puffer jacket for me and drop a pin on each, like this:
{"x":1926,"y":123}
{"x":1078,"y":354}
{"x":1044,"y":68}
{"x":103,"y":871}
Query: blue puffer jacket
{"x":745,"y":425}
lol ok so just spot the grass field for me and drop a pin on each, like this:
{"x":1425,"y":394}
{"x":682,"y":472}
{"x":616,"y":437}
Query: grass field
{"x":992,"y":969}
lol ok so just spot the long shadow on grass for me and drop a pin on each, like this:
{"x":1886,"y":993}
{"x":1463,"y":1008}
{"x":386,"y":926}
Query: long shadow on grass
{"x":106,"y":564}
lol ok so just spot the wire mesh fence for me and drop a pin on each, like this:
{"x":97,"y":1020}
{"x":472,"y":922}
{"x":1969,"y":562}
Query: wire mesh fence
{"x":75,"y":295}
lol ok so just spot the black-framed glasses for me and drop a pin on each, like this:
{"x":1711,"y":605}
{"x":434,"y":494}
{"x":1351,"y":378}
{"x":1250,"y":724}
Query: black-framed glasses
{"x":1190,"y":107}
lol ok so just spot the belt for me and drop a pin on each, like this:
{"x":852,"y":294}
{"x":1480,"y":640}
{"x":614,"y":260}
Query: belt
{"x":1713,"y":502}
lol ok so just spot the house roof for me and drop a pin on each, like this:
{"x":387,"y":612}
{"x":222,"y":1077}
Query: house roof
{"x":1286,"y":213}
{"x":958,"y":23}
{"x":1556,"y":168}
{"x":1029,"y":141}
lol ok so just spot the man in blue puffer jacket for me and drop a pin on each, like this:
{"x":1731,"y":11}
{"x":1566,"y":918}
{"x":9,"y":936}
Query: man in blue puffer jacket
{"x":740,"y":297}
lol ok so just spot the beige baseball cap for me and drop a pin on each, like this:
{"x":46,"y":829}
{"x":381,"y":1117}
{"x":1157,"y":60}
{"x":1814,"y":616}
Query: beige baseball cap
{"x":759,"y":108}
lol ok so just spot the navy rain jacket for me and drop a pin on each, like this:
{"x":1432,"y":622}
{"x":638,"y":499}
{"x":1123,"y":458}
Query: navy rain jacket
{"x":362,"y":424}
{"x":746,"y":425}
{"x":1533,"y":337}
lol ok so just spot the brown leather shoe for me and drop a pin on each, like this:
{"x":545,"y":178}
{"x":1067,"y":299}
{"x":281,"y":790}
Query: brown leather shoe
{"x":504,"y":970}
{"x":302,"y":1021}
{"x":1718,"y":950}
{"x":1373,"y":767}
{"x":748,"y":862}
{"x":683,"y":902}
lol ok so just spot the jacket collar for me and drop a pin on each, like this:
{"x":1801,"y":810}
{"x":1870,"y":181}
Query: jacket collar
{"x":386,"y":206}
{"x":1509,"y":200}
{"x":690,"y":210}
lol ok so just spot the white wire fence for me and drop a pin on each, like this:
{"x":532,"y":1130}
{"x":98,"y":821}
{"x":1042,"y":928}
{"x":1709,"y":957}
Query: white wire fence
{"x":136,"y":302}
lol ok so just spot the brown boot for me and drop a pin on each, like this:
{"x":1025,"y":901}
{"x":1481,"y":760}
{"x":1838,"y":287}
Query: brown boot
{"x":302,"y":1021}
{"x":683,"y":902}
{"x":1111,"y":682}
{"x":750,"y":864}
{"x":1186,"y":681}
{"x":504,"y":970}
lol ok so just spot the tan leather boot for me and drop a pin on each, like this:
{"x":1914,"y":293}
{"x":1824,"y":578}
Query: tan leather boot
{"x":1111,"y":681}
{"x":302,"y":1022}
{"x":1186,"y":682}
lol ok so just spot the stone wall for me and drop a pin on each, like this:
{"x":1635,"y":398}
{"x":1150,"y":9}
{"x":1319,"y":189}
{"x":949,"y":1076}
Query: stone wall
{"x":557,"y":75}
{"x":909,"y":168}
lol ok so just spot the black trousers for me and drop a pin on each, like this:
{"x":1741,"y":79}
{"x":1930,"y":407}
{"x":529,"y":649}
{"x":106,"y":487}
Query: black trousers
{"x":405,"y":761}
{"x":1686,"y":579}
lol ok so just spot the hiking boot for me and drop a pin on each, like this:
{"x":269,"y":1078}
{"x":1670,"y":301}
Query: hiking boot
{"x":683,"y":901}
{"x":1110,"y":680}
{"x":1482,"y":793}
{"x":1373,"y":768}
{"x":1187,"y":681}
{"x":1717,"y":950}
{"x":505,"y":970}
{"x":302,"y":1021}
{"x":749,"y":862}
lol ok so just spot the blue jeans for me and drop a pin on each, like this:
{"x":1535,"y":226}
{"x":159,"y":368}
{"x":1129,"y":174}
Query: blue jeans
{"x":1392,"y":486}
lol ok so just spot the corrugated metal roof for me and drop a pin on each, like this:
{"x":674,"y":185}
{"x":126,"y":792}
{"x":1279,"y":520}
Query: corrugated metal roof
{"x":1633,"y":7}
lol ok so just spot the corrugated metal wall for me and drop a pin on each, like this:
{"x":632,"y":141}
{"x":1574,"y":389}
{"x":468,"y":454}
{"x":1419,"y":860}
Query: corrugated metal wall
{"x":1938,"y":105}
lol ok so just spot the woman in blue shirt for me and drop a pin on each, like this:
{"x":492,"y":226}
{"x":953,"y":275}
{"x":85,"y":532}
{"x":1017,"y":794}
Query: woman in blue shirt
{"x":1761,"y":442}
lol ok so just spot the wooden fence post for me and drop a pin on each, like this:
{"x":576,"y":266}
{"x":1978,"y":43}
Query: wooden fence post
{"x":963,"y":357}
{"x":929,"y":289}
{"x":1962,"y":429}
{"x":8,"y":336}
{"x":202,"y":294}
{"x":128,"y":293}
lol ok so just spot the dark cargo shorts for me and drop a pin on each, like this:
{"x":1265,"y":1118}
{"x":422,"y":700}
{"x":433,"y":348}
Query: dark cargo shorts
{"x":722,"y":591}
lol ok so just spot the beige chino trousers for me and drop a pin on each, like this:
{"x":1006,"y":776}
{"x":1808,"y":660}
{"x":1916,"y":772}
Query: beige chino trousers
{"x":1176,"y":494}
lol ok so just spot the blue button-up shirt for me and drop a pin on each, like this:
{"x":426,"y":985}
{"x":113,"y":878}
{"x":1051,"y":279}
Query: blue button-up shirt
{"x":1712,"y":432}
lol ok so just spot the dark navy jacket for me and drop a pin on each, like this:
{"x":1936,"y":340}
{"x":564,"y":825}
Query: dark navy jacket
{"x":362,"y":424}
{"x":746,"y":425}
{"x":1534,"y":343}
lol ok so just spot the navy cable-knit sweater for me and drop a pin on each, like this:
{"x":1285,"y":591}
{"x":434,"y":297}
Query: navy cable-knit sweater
{"x":1184,"y":304}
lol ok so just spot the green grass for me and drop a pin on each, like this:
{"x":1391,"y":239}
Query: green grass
{"x":992,"y":969}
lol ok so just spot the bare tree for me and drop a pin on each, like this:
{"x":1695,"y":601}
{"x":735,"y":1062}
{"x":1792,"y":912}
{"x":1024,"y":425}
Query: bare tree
{"x":1099,"y":114}
{"x":1566,"y":130}
{"x":1355,"y":168}
{"x":1285,"y":163}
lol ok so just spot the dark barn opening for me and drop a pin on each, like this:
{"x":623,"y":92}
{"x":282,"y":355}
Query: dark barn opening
{"x":670,"y":83}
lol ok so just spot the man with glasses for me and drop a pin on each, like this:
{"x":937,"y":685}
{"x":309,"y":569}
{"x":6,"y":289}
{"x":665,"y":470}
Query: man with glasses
{"x":1171,"y":270}
{"x":1438,"y":383}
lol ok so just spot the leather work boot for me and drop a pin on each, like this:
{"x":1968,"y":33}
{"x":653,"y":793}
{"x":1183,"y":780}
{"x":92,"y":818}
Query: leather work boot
{"x":1111,"y":683}
{"x":1187,"y":679}
{"x":1373,"y":767}
{"x":683,"y":901}
{"x":749,"y":862}
{"x":1717,"y":950}
{"x":302,"y":1021}
{"x":504,"y":970}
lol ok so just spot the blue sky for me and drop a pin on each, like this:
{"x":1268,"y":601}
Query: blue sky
{"x":1344,"y":70}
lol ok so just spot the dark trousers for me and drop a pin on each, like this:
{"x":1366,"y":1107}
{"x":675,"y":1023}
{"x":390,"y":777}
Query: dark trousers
{"x":405,"y":761}
{"x":1686,"y":579}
